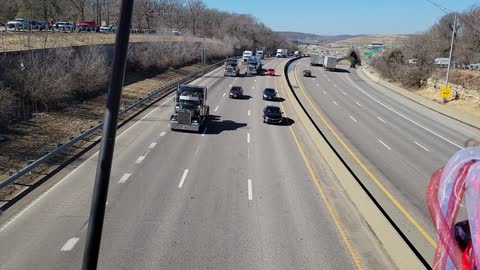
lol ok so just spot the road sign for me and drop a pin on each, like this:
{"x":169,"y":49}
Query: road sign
{"x":446,"y":91}
{"x":367,"y":53}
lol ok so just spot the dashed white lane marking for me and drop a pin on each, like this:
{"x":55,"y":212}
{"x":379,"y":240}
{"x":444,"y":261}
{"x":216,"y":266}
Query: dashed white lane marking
{"x":236,"y":79}
{"x":344,"y":93}
{"x":216,"y":108}
{"x":124,"y":178}
{"x":384,"y":144}
{"x":196,"y":149}
{"x":253,"y":87}
{"x":328,"y":79}
{"x":359,"y":105}
{"x":378,"y":117}
{"x":140,"y":159}
{"x":334,"y":85}
{"x":162,"y":134}
{"x":248,"y":112}
{"x":318,"y":84}
{"x":403,"y":116}
{"x":354,"y":120}
{"x":152,"y":145}
{"x":248,"y":137}
{"x":255,"y":80}
{"x":204,"y":131}
{"x":70,"y":244}
{"x":250,"y":191}
{"x":224,"y":94}
{"x":421,"y":146}
{"x":334,"y":102}
{"x":324,"y":92}
{"x":184,"y":176}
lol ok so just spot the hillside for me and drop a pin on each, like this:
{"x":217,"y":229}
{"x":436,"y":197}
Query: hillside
{"x":387,"y":40}
{"x":306,"y":37}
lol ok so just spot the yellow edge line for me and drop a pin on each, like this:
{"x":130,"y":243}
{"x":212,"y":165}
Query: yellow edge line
{"x":370,"y":174}
{"x":330,"y":209}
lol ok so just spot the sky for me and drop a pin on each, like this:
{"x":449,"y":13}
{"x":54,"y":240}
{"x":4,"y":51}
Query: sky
{"x":344,"y":16}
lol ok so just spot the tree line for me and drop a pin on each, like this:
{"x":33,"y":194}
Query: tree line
{"x":434,"y":43}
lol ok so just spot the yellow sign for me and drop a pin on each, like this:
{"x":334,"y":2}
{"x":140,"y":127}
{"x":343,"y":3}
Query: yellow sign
{"x":446,"y":91}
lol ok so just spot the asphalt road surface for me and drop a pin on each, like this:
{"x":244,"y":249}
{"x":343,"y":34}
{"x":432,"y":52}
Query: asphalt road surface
{"x":235,"y":196}
{"x":390,"y":141}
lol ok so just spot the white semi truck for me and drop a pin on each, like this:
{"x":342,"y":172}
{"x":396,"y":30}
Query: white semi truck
{"x":282,"y":53}
{"x":246,"y":55}
{"x":316,"y":59}
{"x":330,"y":62}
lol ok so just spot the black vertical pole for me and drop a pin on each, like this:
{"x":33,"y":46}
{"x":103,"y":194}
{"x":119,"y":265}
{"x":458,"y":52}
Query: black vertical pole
{"x":99,"y":198}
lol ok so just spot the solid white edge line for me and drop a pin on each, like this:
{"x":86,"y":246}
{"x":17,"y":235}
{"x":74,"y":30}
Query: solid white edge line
{"x":140,"y":159}
{"x":421,"y":146}
{"x":359,"y":105}
{"x":124,"y":178}
{"x":184,"y":176}
{"x":384,"y":144}
{"x":70,"y":244}
{"x":378,"y":117}
{"x":250,"y":192}
{"x":152,"y":145}
{"x":355,"y":120}
{"x":403,"y":116}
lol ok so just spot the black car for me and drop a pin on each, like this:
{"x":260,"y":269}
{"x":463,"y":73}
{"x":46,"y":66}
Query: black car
{"x":307,"y":73}
{"x":272,"y":115}
{"x":236,"y":92}
{"x":269,"y":94}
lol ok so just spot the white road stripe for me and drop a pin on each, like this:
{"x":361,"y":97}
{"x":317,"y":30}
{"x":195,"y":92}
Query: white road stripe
{"x":152,"y":145}
{"x":224,"y":94}
{"x":124,"y":178}
{"x":403,"y":116}
{"x":388,"y":147}
{"x":140,"y":159}
{"x":253,"y":87}
{"x":344,"y":93}
{"x":248,"y":112}
{"x":184,"y":176}
{"x":378,"y":117}
{"x":334,"y":102}
{"x":248,"y":137}
{"x":355,"y":120}
{"x":204,"y":131}
{"x":70,"y":244}
{"x":196,"y":149}
{"x":328,"y":79}
{"x":421,"y":146}
{"x":318,"y":84}
{"x":324,"y":92}
{"x":216,"y":108}
{"x":250,"y":192}
{"x":359,"y":105}
{"x":162,"y":134}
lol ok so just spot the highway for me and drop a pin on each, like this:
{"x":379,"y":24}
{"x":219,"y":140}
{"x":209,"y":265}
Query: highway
{"x":238,"y":195}
{"x":392,"y":143}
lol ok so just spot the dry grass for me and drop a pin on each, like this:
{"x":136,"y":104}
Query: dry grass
{"x":15,"y":41}
{"x":368,"y":39}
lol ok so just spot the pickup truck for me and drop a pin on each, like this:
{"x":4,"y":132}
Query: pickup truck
{"x":88,"y":26}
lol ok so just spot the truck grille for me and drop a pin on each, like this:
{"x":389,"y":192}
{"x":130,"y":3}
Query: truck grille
{"x":184,"y":117}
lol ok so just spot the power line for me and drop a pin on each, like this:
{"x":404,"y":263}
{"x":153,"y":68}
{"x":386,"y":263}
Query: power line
{"x":444,"y":9}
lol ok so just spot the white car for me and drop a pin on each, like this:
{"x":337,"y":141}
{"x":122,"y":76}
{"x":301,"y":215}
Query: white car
{"x":64,"y":26}
{"x":107,"y":28}
{"x":18,"y":24}
{"x":176,"y":32}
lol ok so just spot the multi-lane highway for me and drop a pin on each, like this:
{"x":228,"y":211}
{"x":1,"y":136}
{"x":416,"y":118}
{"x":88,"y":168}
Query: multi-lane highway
{"x":239,"y":195}
{"x":392,"y":143}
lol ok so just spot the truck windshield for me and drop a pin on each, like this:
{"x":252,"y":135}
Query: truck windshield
{"x":188,"y":104}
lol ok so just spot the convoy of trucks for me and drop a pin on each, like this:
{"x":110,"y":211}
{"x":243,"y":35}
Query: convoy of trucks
{"x":330,"y":62}
{"x":260,"y":53}
{"x":246,"y":55}
{"x":191,"y":109}
{"x":282,"y":53}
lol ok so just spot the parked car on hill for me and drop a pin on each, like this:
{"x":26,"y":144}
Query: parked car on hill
{"x":88,"y":26}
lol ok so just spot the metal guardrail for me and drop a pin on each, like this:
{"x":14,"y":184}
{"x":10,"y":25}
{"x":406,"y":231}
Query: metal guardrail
{"x":61,"y":148}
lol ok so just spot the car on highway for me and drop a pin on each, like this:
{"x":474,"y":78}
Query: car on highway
{"x":64,"y":26}
{"x":269,"y":94}
{"x":176,"y":32}
{"x":271,"y":72}
{"x":236,"y":92}
{"x":307,"y":73}
{"x":272,"y":115}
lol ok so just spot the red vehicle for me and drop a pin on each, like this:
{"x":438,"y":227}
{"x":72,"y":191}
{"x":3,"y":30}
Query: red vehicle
{"x":271,"y":72}
{"x":89,"y":26}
